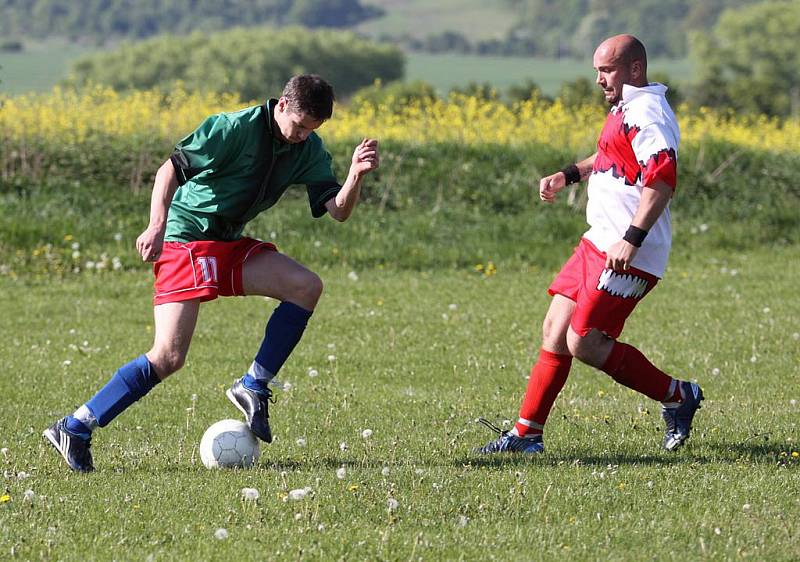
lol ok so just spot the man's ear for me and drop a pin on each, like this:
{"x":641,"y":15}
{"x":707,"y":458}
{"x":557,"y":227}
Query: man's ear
{"x":282,"y":104}
{"x":636,"y":70}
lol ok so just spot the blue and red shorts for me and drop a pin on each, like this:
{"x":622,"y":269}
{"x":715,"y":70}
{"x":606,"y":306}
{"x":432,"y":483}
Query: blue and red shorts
{"x":203,"y":270}
{"x":604,"y":298}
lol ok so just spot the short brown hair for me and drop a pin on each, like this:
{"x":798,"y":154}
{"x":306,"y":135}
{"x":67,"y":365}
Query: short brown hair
{"x":310,"y":94}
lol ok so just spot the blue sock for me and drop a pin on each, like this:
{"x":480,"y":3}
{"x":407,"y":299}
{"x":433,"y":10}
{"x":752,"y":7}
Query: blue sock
{"x":77,"y":427}
{"x":129,"y":383}
{"x":284,"y":330}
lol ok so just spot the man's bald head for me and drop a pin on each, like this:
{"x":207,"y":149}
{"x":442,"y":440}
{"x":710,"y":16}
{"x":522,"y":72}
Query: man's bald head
{"x":620,"y":60}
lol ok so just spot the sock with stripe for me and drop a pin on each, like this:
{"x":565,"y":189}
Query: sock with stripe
{"x":628,"y":366}
{"x":126,"y":386}
{"x":548,"y":377}
{"x":284,"y":330}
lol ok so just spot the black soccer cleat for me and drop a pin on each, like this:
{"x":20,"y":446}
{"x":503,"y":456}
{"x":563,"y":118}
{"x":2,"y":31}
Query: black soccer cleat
{"x":255,"y":407}
{"x":679,"y":420}
{"x":75,"y":449}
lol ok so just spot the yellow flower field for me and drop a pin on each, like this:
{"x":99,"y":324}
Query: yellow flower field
{"x":70,"y":117}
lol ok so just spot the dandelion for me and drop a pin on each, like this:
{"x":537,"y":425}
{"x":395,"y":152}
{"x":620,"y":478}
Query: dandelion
{"x":118,"y":237}
{"x":717,"y":531}
{"x":385,"y":471}
{"x":746,"y":507}
{"x":250,"y":494}
{"x":317,"y":243}
{"x":28,"y":496}
{"x":331,"y":358}
{"x":766,"y":310}
{"x":462,"y":521}
{"x":4,"y":451}
{"x":452,"y":306}
{"x":715,"y":371}
{"x":795,"y":454}
{"x":75,"y":246}
{"x":753,"y":359}
{"x":353,"y":487}
{"x":341,"y":473}
{"x":313,"y":373}
{"x":352,"y":276}
{"x":298,"y":494}
{"x":67,"y":363}
{"x":649,"y":483}
{"x":5,"y":498}
{"x":366,"y":434}
{"x":796,"y":336}
{"x":343,"y":446}
{"x":321,"y":527}
{"x":221,"y":534}
{"x":301,"y":442}
{"x":392,"y":504}
{"x":22,"y":475}
{"x":298,"y":516}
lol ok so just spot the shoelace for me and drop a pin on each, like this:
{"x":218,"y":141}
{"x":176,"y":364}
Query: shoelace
{"x":491,"y":426}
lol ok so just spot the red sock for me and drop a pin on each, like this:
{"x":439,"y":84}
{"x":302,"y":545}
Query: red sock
{"x":547,"y":379}
{"x":627,"y":366}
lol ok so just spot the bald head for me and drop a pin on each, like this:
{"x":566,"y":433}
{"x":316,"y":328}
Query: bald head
{"x":620,"y":60}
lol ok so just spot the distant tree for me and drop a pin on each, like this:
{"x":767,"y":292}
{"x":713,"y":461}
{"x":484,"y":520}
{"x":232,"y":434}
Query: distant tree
{"x":527,"y":90}
{"x":251,"y":62}
{"x":580,"y":91}
{"x":394,"y":95}
{"x":484,"y":91}
{"x":751,"y":61}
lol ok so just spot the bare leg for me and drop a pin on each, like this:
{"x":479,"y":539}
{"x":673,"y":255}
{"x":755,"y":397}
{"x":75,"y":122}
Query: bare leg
{"x":174,"y":324}
{"x":275,"y":275}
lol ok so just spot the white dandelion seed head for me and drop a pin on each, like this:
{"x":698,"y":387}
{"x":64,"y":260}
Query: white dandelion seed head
{"x":452,"y":306}
{"x":67,"y":363}
{"x":313,"y":373}
{"x":717,"y":531}
{"x":298,"y":516}
{"x":4,"y":451}
{"x":445,"y":316}
{"x":419,"y":472}
{"x":765,"y":310}
{"x":343,"y":446}
{"x":792,"y":402}
{"x":298,"y":494}
{"x":753,"y":359}
{"x":746,"y":507}
{"x":331,"y":358}
{"x":28,"y":496}
{"x":250,"y":494}
{"x":392,"y":504}
{"x":118,"y":237}
{"x":385,"y":471}
{"x":321,"y":527}
{"x":75,"y":246}
{"x":352,"y":276}
{"x":715,"y":371}
{"x":317,"y":243}
{"x":366,"y":434}
{"x":341,"y":473}
{"x":796,"y":336}
{"x":21,"y":475}
{"x":221,"y":534}
{"x":301,"y":442}
{"x":463,"y":520}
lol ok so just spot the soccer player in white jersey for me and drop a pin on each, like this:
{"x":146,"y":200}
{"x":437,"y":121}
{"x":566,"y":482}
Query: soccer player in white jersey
{"x":632,"y":178}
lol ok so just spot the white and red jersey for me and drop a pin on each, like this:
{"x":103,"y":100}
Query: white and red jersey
{"x":638,"y":146}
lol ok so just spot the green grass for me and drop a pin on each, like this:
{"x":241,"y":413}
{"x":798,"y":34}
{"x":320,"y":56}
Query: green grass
{"x":39,"y":67}
{"x":420,"y":18}
{"x":418,"y":356}
{"x":448,"y":71}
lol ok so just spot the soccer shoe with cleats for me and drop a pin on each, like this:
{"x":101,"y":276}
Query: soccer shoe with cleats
{"x":255,"y":407}
{"x":678,"y":420}
{"x":75,"y":449}
{"x":510,"y":443}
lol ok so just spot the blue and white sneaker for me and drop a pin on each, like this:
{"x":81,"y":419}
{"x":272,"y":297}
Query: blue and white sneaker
{"x":75,"y":449}
{"x":255,"y":407}
{"x":510,"y":443}
{"x":679,"y":420}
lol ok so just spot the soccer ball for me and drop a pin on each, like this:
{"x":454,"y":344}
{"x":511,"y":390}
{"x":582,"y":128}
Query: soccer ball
{"x":229,"y":444}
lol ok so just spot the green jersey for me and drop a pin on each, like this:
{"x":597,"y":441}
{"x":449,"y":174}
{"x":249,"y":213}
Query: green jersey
{"x":234,"y":166}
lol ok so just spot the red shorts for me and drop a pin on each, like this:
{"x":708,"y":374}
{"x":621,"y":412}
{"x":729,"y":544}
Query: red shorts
{"x":203,"y":270}
{"x":604,"y":298}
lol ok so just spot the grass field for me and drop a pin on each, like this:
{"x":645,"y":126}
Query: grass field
{"x":415,"y":356}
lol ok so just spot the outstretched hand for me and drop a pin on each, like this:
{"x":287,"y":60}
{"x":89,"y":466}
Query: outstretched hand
{"x":365,"y":157}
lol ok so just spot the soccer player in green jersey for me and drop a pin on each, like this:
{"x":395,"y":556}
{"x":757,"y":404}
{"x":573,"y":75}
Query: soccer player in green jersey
{"x":230,"y":169}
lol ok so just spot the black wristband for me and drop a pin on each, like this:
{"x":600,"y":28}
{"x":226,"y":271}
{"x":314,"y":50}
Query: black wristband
{"x":635,"y":236}
{"x":572,"y":173}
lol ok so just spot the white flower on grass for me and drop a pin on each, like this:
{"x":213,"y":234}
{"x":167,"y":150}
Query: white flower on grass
{"x":392,"y":504}
{"x":76,"y":255}
{"x":341,"y":473}
{"x":313,"y":373}
{"x":321,"y":527}
{"x":301,"y":442}
{"x":453,"y":306}
{"x":703,"y":227}
{"x":796,"y":336}
{"x":317,"y":243}
{"x":4,"y":451}
{"x":116,"y":263}
{"x":463,"y":520}
{"x":715,"y":371}
{"x":89,"y":265}
{"x":445,"y":316}
{"x":366,"y":434}
{"x":717,"y":531}
{"x":75,"y":246}
{"x":753,"y":359}
{"x":298,"y":494}
{"x":28,"y":496}
{"x":765,"y":310}
{"x":250,"y":494}
{"x":385,"y":471}
{"x":67,"y":363}
{"x":118,"y":237}
{"x":273,"y":235}
{"x":352,"y":276}
{"x":221,"y":534}
{"x":21,"y":475}
{"x":792,"y":402}
{"x":343,"y":446}
{"x":298,"y":516}
{"x":649,"y":483}
{"x":746,"y":507}
{"x":419,"y":472}
{"x":331,"y":358}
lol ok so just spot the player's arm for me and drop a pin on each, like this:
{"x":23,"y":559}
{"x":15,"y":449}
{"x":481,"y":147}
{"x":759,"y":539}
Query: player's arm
{"x":149,"y":242}
{"x":654,"y":200}
{"x":365,"y":159}
{"x":552,"y":184}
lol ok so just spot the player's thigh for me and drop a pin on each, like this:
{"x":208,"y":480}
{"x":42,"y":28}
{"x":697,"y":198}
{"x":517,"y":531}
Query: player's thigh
{"x":556,"y":324}
{"x":272,"y":274}
{"x":174,"y":326}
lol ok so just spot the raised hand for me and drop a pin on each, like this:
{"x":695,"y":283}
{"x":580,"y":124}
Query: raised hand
{"x":365,"y":157}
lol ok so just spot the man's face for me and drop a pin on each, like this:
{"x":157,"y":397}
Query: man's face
{"x":294,"y":127}
{"x":612,"y":73}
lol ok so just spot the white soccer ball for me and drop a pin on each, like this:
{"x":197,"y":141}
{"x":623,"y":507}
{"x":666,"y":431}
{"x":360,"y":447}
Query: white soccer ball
{"x":229,"y":444}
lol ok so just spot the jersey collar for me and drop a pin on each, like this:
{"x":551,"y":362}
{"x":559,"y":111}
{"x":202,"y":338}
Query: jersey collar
{"x":630,"y":93}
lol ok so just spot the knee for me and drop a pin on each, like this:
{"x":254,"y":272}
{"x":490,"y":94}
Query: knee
{"x":166,"y":361}
{"x":579,"y":346}
{"x":553,"y":338}
{"x":307,"y":289}
{"x":591,"y":349}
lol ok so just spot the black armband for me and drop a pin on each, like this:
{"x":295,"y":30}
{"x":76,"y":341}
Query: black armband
{"x":635,"y":236}
{"x":572,"y":173}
